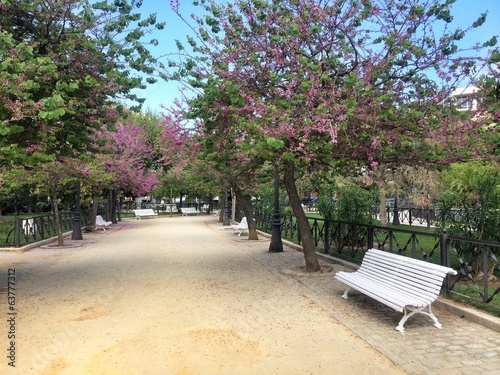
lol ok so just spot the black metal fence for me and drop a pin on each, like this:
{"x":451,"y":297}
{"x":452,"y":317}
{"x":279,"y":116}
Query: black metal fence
{"x":18,"y":232}
{"x":475,"y":261}
{"x":421,"y":216}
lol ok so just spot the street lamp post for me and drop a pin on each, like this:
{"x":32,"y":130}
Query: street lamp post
{"x":77,"y":221}
{"x":227,"y":208}
{"x":276,"y":246}
{"x":395,"y":219}
{"x":113,"y":207}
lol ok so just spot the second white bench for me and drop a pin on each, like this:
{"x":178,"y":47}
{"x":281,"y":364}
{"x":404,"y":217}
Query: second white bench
{"x":241,"y":227}
{"x":145,"y":212}
{"x":407,"y":285}
{"x":189,"y":210}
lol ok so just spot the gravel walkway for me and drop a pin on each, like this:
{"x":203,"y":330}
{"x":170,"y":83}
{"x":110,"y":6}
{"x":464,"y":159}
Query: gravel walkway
{"x":184,"y":296}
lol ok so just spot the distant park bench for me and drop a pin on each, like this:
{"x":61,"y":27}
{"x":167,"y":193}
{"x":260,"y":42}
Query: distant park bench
{"x":101,"y":223}
{"x":189,"y":210}
{"x":241,"y":227}
{"x":29,"y":226}
{"x":145,"y":212}
{"x":402,"y":283}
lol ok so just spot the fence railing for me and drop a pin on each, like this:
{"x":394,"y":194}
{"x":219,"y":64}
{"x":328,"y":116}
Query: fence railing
{"x":18,"y":232}
{"x":476,"y":261}
{"x":421,"y":216}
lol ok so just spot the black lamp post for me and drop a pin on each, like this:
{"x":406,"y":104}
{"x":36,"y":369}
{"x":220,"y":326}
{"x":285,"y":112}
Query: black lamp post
{"x":227,"y":208}
{"x":113,"y":207}
{"x":276,"y":246}
{"x":395,"y":219}
{"x":77,"y":221}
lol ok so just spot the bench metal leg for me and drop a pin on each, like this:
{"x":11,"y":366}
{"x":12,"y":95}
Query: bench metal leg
{"x":414,"y":311}
{"x":346,"y":294}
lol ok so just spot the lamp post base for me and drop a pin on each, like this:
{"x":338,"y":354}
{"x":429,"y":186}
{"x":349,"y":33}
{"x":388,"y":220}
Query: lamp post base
{"x":77,"y":217}
{"x":77,"y":227}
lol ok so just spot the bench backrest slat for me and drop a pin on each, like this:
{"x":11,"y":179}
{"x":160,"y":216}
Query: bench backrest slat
{"x":407,"y":261}
{"x":405,"y":272}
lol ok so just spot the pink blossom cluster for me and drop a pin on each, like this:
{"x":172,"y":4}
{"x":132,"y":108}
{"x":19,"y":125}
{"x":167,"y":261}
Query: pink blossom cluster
{"x":124,"y":154}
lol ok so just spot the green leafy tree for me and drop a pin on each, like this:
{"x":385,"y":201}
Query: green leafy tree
{"x":63,"y":63}
{"x":471,"y":209}
{"x":471,"y":204}
{"x":18,"y":190}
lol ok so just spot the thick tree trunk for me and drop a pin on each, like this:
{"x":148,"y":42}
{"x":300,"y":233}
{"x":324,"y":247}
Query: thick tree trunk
{"x":312,"y":264}
{"x":222,"y":205}
{"x":252,"y":230}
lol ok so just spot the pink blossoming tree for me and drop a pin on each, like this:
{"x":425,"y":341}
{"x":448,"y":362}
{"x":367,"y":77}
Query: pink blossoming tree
{"x":311,"y":84}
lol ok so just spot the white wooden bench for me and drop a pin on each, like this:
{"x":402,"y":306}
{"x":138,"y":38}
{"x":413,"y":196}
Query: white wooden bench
{"x":189,"y":210}
{"x":407,"y":285}
{"x":101,"y":223}
{"x":241,"y":227}
{"x":145,"y":212}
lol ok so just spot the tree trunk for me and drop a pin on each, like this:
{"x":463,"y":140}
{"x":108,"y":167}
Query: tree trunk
{"x":312,"y":264}
{"x":379,"y":177}
{"x":383,"y":208}
{"x":252,"y":230}
{"x":222,"y":206}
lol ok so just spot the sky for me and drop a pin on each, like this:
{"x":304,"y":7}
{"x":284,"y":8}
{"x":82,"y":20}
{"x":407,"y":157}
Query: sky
{"x":163,"y":94}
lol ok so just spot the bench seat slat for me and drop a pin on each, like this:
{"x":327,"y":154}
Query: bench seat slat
{"x":373,"y":293}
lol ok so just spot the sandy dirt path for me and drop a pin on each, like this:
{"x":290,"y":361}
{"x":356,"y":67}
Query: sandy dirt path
{"x":171,"y":296}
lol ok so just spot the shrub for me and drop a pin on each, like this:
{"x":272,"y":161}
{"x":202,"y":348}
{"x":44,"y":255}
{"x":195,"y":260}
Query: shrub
{"x":352,"y":205}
